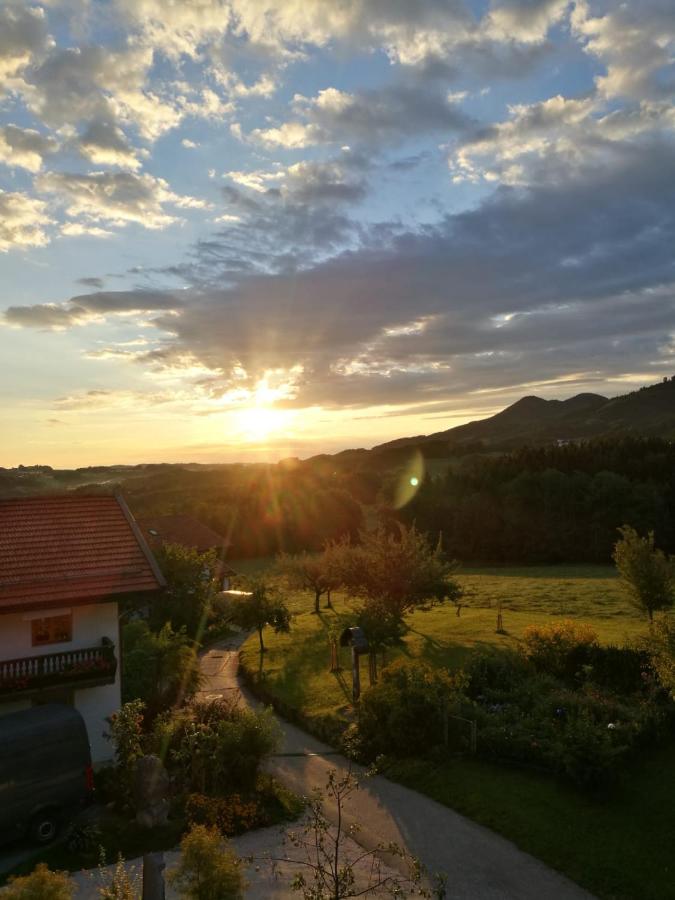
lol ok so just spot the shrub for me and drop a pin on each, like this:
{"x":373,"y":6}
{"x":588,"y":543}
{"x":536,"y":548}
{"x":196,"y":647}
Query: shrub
{"x":126,"y":734}
{"x":216,"y":747}
{"x":41,"y":884}
{"x":161,"y":668}
{"x":208,"y":869}
{"x":230,"y":815}
{"x":560,"y":649}
{"x":118,"y":883}
{"x":404,"y":714}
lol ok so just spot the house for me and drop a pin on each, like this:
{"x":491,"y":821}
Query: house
{"x":189,"y":532}
{"x":66,"y":563}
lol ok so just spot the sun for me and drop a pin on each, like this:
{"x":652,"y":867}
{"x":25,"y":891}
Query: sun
{"x":262,"y":419}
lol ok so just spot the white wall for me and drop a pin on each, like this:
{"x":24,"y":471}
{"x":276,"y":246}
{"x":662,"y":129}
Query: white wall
{"x":90,"y":624}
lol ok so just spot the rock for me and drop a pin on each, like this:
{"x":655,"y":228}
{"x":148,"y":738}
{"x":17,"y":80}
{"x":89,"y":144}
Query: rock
{"x":151,"y":792}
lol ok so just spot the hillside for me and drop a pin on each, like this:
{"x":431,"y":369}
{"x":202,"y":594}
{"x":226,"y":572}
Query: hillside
{"x":532,"y":420}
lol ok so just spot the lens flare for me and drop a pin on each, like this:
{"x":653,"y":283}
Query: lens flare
{"x":409,"y":480}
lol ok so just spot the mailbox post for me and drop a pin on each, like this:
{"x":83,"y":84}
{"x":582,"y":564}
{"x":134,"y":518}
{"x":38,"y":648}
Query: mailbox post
{"x":355,"y":638}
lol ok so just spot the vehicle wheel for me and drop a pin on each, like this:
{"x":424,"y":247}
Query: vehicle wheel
{"x":44,"y":827}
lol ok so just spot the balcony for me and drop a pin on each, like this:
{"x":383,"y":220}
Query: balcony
{"x":87,"y":667}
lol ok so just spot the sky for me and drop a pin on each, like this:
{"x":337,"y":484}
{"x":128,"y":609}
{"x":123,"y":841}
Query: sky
{"x":251,"y":229}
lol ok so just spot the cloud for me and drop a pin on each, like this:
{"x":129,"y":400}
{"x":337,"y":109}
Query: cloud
{"x":636,"y":43}
{"x":377,"y":117}
{"x":104,"y":143}
{"x":25,"y":147}
{"x":568,"y":280}
{"x":84,"y":308}
{"x":114,"y":198}
{"x":23,"y":35}
{"x":91,"y":282}
{"x":23,"y":221}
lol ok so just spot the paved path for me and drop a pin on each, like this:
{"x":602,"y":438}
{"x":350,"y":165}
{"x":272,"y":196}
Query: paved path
{"x":480,"y":864}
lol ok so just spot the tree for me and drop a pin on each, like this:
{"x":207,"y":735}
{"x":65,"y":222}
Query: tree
{"x":262,"y":606}
{"x":41,"y":884}
{"x":398,"y":571}
{"x":161,"y":668}
{"x":208,"y":868}
{"x":661,"y":648}
{"x":317,"y":573}
{"x":191,"y":588}
{"x":331,"y":867}
{"x":647,"y":574}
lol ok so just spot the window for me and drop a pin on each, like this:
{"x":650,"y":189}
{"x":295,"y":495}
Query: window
{"x":52,"y":630}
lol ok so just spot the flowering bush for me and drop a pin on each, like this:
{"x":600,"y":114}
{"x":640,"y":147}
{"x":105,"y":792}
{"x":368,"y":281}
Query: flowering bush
{"x":560,"y":649}
{"x":230,"y":815}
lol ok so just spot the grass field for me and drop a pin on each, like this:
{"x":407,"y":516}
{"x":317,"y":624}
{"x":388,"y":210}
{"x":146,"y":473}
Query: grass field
{"x":618,"y":846}
{"x":295,"y":667}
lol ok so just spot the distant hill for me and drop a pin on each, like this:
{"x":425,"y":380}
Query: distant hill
{"x":647,"y":412}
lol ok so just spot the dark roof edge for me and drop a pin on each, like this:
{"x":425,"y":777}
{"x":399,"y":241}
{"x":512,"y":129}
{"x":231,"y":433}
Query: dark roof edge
{"x":138,"y":534}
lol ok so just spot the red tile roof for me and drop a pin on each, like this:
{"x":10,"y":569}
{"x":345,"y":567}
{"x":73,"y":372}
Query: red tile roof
{"x":70,"y":550}
{"x":183,"y":530}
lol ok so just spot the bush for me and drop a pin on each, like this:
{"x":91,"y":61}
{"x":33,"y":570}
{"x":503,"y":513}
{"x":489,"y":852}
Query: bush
{"x":126,"y":734}
{"x":208,"y":869}
{"x":161,"y":668}
{"x":41,"y":884}
{"x":216,"y":747}
{"x":404,"y":714}
{"x":230,"y":815}
{"x":560,"y":649}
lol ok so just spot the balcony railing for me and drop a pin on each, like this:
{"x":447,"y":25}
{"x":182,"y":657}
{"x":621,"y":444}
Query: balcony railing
{"x":87,"y":667}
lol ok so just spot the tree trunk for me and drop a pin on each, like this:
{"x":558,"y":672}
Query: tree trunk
{"x":329,"y":605}
{"x":317,"y":598}
{"x":262,"y":646}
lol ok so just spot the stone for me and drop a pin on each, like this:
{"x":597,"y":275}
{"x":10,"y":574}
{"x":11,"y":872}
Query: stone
{"x":151,"y":792}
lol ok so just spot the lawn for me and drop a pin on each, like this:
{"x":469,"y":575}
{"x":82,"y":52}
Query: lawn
{"x":619,"y":846}
{"x":295,"y":667}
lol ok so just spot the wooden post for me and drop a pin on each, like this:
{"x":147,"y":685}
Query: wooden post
{"x":500,"y":621}
{"x":372,"y":668}
{"x":334,"y":658}
{"x":153,"y":877}
{"x":356,"y":676}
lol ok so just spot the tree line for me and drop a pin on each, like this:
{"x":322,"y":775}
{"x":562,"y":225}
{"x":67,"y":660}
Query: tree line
{"x":551,"y":504}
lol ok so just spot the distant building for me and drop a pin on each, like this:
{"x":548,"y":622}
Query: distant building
{"x":189,"y":532}
{"x":65,"y":564}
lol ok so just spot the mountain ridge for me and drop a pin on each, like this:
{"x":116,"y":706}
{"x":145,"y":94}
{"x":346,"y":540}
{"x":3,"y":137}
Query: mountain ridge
{"x":649,"y":411}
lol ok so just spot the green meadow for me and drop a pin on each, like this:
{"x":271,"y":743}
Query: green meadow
{"x":618,"y":846}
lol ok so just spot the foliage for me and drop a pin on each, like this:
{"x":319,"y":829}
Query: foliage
{"x":531,"y":716}
{"x":405,"y":713}
{"x":83,"y":837}
{"x":208,"y":868}
{"x":647,"y":574}
{"x":327,"y":870}
{"x":396,"y":572}
{"x":41,"y":884}
{"x":261,"y":607}
{"x":216,"y":747}
{"x":191,"y":586}
{"x":382,"y":629}
{"x":661,"y":648}
{"x":318,"y":573}
{"x":230,"y":815}
{"x":126,"y":734}
{"x":161,"y":668}
{"x":118,"y":884}
{"x":561,"y":648}
{"x":549,"y":504}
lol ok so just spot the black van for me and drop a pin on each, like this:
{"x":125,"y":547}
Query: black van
{"x":45,"y":770}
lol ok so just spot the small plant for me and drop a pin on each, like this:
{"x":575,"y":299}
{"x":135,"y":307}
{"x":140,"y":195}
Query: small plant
{"x":83,"y":837}
{"x":119,"y":883}
{"x":329,"y":867}
{"x":208,"y":868}
{"x":560,"y":649}
{"x":41,"y":884}
{"x":230,"y":815}
{"x":126,"y":734}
